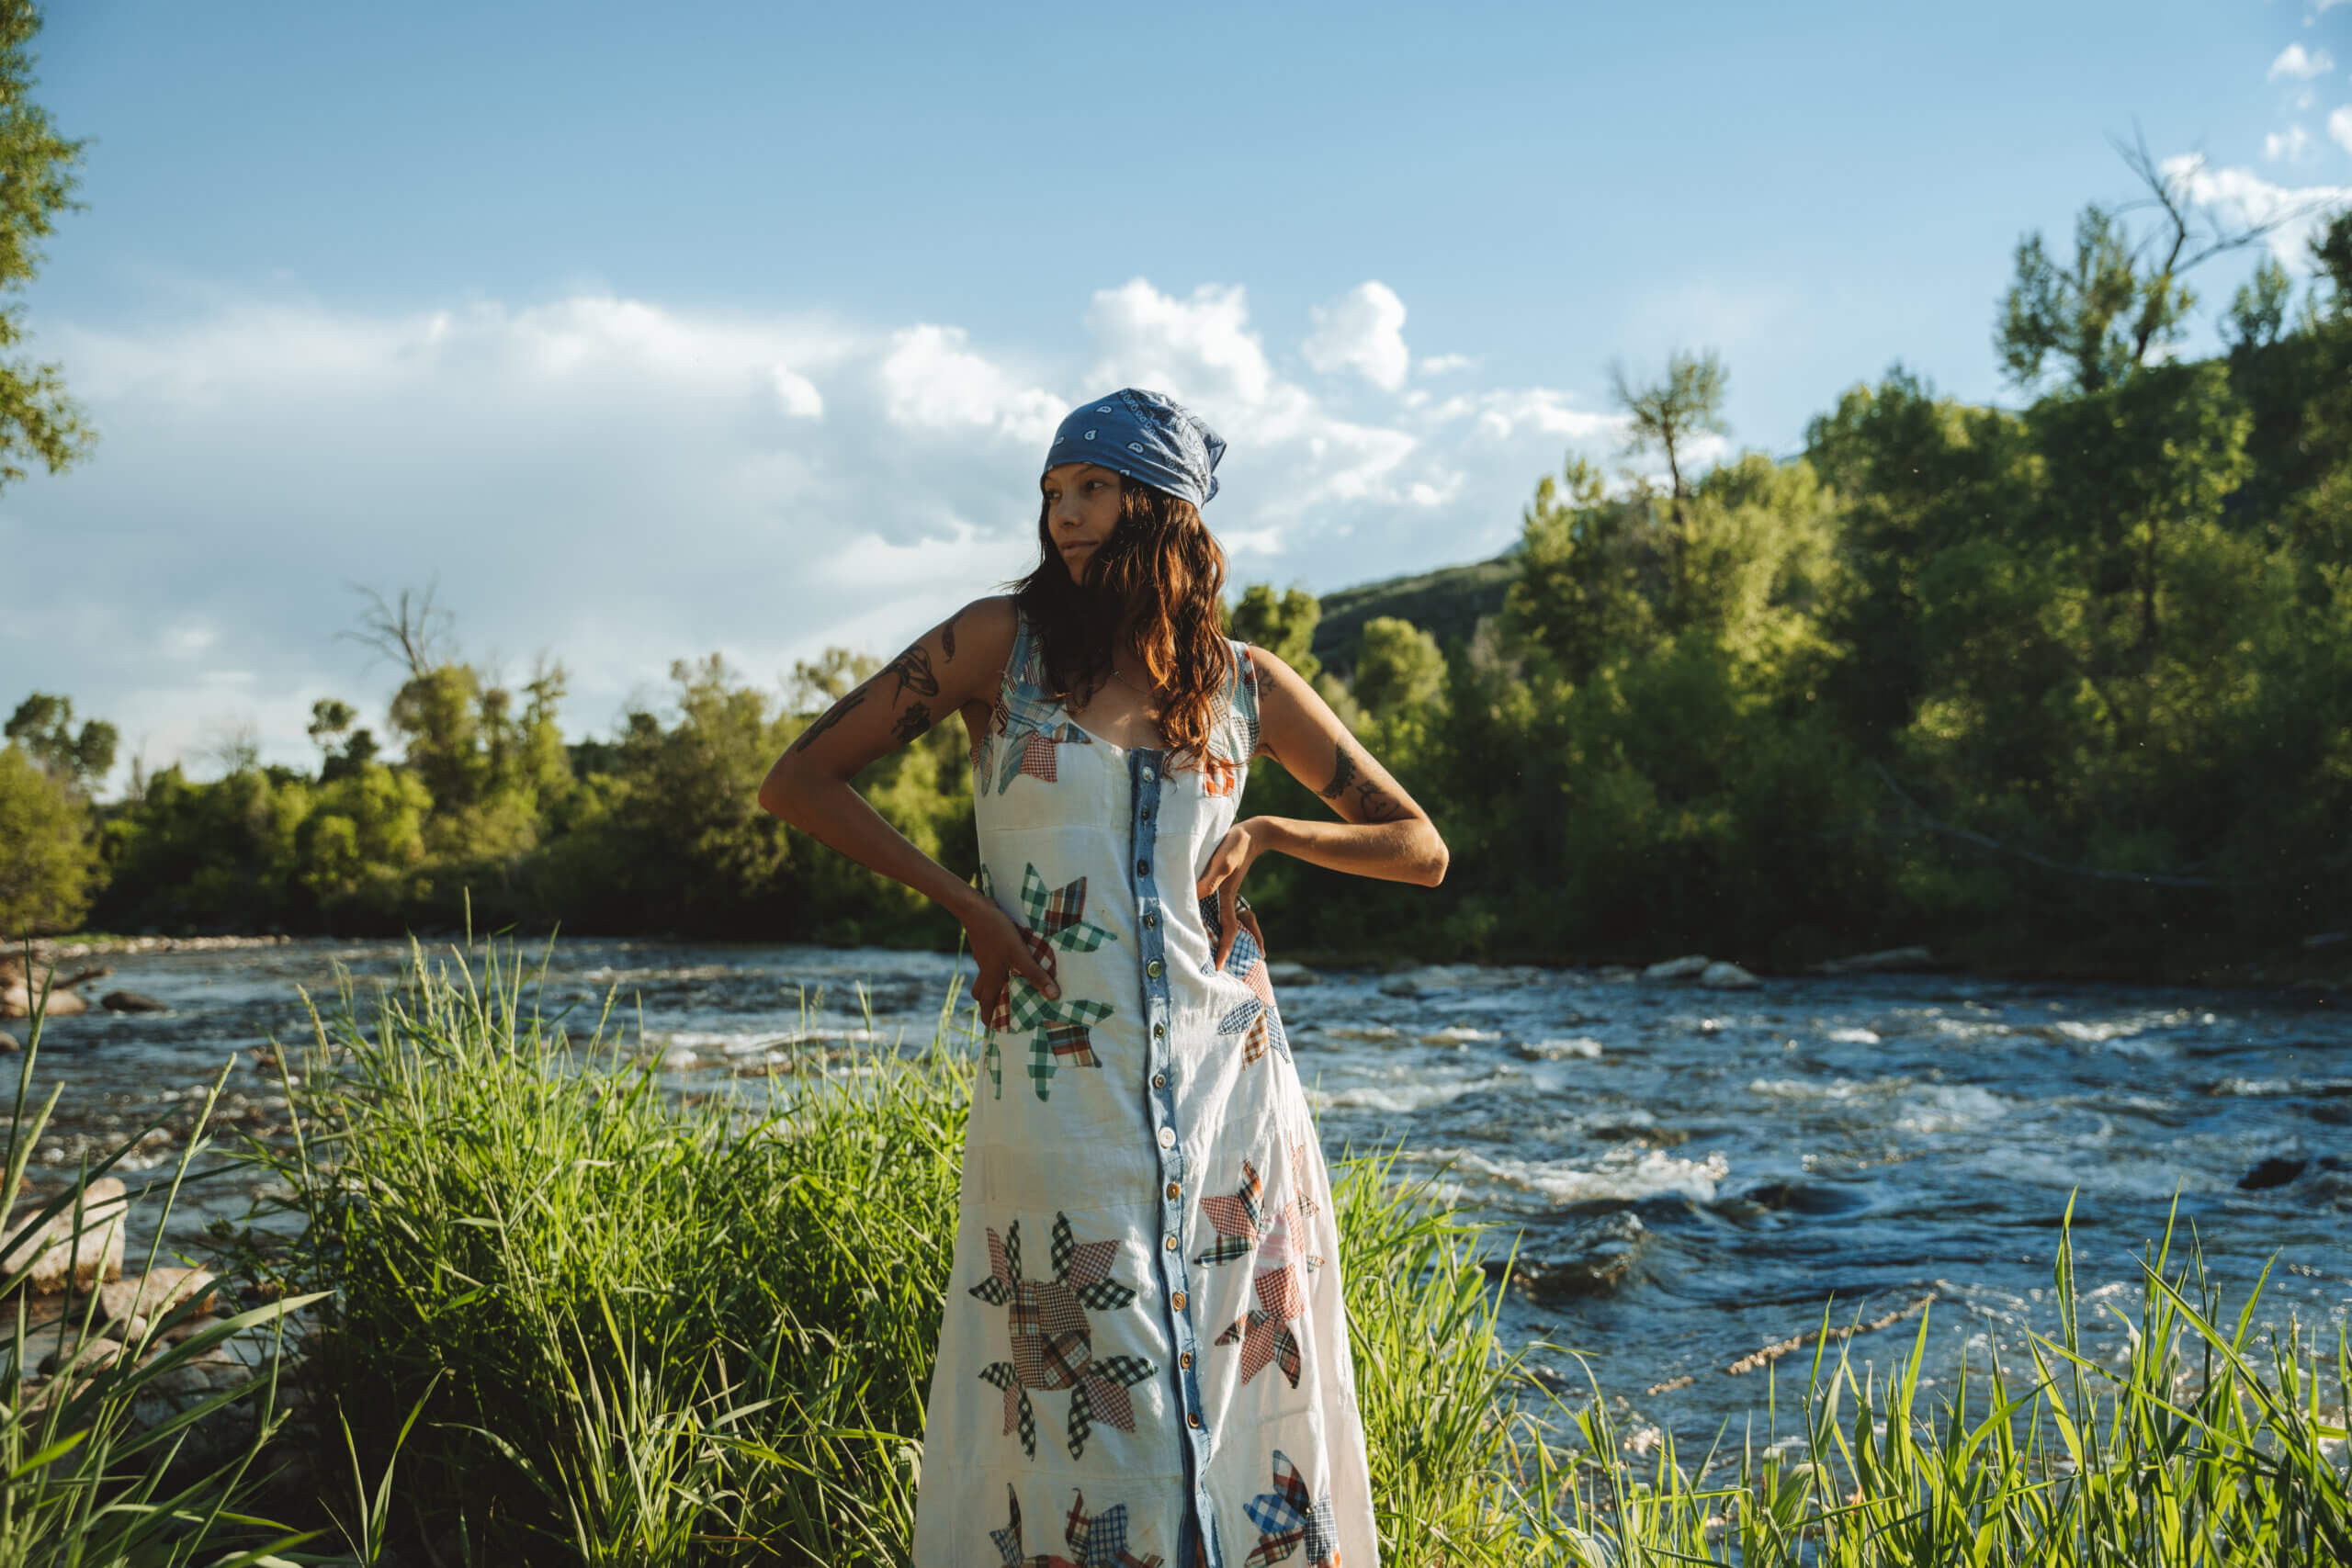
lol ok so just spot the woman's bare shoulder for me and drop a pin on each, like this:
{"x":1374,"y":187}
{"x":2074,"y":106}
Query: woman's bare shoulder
{"x":976,"y":640}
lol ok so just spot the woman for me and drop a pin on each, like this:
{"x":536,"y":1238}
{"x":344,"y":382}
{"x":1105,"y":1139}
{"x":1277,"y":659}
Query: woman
{"x":1144,"y":1358}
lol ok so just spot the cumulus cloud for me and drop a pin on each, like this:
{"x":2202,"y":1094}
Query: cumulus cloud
{"x":2300,"y":64}
{"x":1362,"y":331}
{"x":2243,"y":197}
{"x":2286,"y":145}
{"x":619,"y":484}
{"x":2339,"y":127}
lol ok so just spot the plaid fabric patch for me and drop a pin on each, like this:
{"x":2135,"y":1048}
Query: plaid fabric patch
{"x":1051,"y":1340}
{"x":1058,"y":1032}
{"x":1058,"y":914}
{"x":1286,"y":1519}
{"x":1246,"y":963}
{"x":1099,"y":1540}
{"x":1246,"y":1228}
{"x":1220,"y":775}
{"x":1235,"y":1216}
{"x":1008,"y":1540}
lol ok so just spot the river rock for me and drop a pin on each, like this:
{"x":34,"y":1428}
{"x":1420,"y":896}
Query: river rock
{"x":93,"y":1258}
{"x":1726,"y":976}
{"x":1594,"y":1258}
{"x":20,"y":988}
{"x":1420,"y":982}
{"x":93,"y":1354}
{"x":1685,"y":968}
{"x":2275,"y":1171}
{"x":130,"y":1001}
{"x":157,"y":1293}
{"x":1885,"y":961}
{"x":1290,"y":975}
{"x":9,"y":1044}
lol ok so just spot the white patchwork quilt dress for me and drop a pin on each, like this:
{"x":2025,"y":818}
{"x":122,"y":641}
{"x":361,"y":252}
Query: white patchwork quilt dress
{"x":1144,"y":1351}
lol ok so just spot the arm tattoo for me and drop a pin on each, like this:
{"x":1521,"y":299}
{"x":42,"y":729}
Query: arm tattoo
{"x":1376,"y":804}
{"x":831,"y":716}
{"x":947,"y":636}
{"x":913,"y":725}
{"x":1343,"y":773}
{"x":913,"y":670}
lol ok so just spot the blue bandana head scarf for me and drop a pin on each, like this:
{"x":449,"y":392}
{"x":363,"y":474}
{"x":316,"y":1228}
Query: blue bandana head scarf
{"x":1148,"y":437}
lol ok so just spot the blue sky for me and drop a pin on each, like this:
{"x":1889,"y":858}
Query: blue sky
{"x":654,"y":331}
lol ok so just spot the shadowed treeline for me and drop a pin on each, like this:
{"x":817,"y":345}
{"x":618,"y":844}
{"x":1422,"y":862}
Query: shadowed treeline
{"x":2068,"y":685}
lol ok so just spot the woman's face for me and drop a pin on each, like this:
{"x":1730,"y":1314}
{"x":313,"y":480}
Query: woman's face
{"x":1081,"y":508}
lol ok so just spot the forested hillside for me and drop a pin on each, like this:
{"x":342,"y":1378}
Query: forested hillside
{"x":2064,"y":686}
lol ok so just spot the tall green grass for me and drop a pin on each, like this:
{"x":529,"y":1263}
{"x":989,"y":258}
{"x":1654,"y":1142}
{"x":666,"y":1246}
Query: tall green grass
{"x":612,"y":1327}
{"x":98,"y":1468}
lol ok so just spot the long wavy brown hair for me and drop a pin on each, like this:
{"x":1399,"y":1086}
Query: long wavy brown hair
{"x":1157,"y":584}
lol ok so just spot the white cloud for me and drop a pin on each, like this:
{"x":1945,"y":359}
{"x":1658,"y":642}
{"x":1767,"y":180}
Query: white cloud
{"x":621,"y":484}
{"x":2301,"y":64}
{"x":2288,"y":144}
{"x":1362,"y":331}
{"x":2339,"y":127}
{"x":2243,"y":197}
{"x":1441,"y":364}
{"x":931,"y":379}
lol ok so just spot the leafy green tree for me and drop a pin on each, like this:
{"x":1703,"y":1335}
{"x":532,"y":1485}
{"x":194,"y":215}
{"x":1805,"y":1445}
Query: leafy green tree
{"x":1280,"y":623}
{"x":37,"y":178}
{"x":49,"y":866}
{"x":43,"y":725}
{"x":2125,"y":296}
{"x":1400,"y":670}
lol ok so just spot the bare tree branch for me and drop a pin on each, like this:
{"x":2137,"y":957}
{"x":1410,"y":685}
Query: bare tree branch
{"x":411,"y":629}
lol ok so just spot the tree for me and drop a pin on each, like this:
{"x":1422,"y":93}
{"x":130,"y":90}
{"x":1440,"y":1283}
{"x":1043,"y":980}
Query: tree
{"x":1400,"y":670}
{"x":48,"y":864}
{"x":2260,"y":308}
{"x":38,"y":420}
{"x":2126,"y":294}
{"x":1668,"y":416}
{"x":43,"y":725}
{"x":1283,"y":624}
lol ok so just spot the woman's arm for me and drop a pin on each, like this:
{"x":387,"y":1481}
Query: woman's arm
{"x":1384,"y":834}
{"x":957,"y":663}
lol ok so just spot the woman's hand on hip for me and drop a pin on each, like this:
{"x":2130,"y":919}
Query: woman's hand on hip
{"x":1001,"y":951}
{"x":1236,"y":853}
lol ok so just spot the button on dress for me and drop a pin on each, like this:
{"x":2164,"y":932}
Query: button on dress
{"x":1144,"y":1349}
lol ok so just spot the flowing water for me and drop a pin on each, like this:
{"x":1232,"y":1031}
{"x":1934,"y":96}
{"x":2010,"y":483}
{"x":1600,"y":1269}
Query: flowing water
{"x":1690,"y":1176}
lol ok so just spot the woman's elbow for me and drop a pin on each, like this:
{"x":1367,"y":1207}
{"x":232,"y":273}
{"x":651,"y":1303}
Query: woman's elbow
{"x":1434,"y":860}
{"x":777,"y":791}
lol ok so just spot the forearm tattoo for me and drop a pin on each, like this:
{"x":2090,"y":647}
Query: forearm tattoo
{"x":831,"y":716}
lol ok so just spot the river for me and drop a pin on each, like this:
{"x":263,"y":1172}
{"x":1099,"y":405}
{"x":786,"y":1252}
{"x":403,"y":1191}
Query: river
{"x":1693,"y":1175}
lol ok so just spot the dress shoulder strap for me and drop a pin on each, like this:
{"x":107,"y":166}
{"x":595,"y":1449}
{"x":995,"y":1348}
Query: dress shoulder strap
{"x":1241,"y":701}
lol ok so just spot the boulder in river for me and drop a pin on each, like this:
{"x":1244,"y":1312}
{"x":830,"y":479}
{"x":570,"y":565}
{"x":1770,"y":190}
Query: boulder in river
{"x":156,"y":1292}
{"x":1420,"y":982}
{"x":130,"y":1001}
{"x":1596,"y":1256}
{"x":2275,"y":1170}
{"x":19,"y":987}
{"x":1724,"y":977}
{"x":9,"y":1044}
{"x":1288,"y":975}
{"x":1685,"y":968}
{"x":59,"y":1257}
